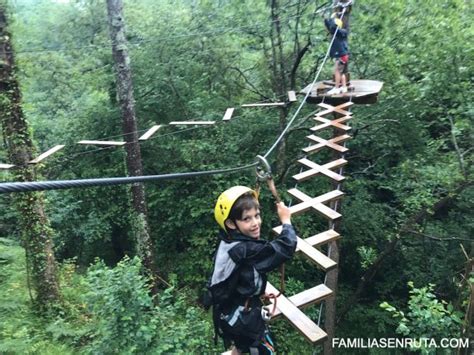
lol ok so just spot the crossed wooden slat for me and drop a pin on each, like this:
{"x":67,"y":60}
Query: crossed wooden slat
{"x":331,"y":143}
{"x":337,"y":123}
{"x":336,"y":109}
{"x":316,"y":203}
{"x":316,"y":169}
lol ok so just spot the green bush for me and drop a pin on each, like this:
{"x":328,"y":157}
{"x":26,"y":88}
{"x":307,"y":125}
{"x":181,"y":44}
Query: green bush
{"x":126,"y":321}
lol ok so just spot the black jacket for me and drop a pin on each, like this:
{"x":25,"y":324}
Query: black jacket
{"x":247,"y":260}
{"x":340,"y":46}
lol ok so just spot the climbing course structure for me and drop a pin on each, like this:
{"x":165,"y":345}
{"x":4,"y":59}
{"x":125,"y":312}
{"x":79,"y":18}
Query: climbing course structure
{"x":290,"y":307}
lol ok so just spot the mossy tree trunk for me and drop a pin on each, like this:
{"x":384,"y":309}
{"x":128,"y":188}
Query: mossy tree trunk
{"x":35,"y":226}
{"x":144,"y":243}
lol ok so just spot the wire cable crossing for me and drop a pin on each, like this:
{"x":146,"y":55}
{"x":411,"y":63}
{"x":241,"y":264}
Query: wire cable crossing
{"x":66,"y":184}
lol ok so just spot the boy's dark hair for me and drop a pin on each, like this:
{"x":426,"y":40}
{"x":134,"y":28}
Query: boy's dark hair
{"x":245,"y":202}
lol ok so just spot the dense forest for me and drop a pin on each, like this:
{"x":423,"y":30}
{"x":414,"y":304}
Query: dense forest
{"x":121,"y":269}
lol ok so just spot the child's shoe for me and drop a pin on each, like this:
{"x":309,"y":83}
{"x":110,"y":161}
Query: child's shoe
{"x":334,"y":91}
{"x":343,"y":90}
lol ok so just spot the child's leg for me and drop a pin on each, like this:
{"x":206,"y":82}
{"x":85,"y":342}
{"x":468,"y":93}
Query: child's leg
{"x":337,"y":74}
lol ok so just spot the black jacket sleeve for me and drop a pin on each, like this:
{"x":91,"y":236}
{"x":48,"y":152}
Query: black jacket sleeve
{"x":331,"y":26}
{"x":266,"y":256}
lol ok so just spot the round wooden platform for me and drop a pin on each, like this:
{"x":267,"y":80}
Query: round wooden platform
{"x":361,"y":92}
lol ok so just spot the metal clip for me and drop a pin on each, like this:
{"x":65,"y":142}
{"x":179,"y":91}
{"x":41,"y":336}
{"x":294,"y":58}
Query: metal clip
{"x":266,"y":314}
{"x":264,"y":173}
{"x":263,"y":169}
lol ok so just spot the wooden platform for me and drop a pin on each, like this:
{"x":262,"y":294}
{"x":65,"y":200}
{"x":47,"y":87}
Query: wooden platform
{"x":364,"y":92}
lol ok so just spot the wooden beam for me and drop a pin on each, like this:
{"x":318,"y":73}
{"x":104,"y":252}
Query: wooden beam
{"x":297,"y":318}
{"x":269,"y":104}
{"x":338,"y":109}
{"x":316,"y":169}
{"x":150,"y":132}
{"x":337,"y":123}
{"x":108,"y":143}
{"x":175,"y":123}
{"x":228,"y":114}
{"x":323,"y":238}
{"x":306,"y":298}
{"x":6,"y":166}
{"x":315,"y":203}
{"x":315,"y":240}
{"x":292,"y":96}
{"x":313,"y":254}
{"x":331,"y":143}
{"x":46,"y":154}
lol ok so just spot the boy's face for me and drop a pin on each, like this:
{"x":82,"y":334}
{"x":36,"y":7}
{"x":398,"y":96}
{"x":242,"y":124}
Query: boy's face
{"x":249,"y":224}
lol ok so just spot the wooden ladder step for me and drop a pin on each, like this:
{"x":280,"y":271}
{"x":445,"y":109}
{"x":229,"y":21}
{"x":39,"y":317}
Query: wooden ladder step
{"x":297,"y":318}
{"x":323,"y":238}
{"x":332,"y":143}
{"x":315,"y":203}
{"x":322,"y":261}
{"x":306,"y":298}
{"x":316,"y":169}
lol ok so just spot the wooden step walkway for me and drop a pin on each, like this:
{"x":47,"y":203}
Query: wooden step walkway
{"x":291,"y":307}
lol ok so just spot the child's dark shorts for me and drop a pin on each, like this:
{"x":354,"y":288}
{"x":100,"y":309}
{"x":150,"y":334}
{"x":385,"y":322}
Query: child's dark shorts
{"x":343,"y":64}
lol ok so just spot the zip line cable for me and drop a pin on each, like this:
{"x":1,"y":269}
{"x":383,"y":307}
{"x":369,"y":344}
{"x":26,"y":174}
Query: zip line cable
{"x":64,"y":184}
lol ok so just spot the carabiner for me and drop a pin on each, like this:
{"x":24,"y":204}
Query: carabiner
{"x":263,"y":169}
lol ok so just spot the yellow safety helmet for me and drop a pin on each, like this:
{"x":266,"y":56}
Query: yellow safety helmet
{"x":226,"y":200}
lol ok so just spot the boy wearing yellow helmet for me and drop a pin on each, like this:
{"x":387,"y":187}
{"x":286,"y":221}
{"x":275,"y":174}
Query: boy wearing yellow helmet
{"x":241,"y":263}
{"x":340,"y":52}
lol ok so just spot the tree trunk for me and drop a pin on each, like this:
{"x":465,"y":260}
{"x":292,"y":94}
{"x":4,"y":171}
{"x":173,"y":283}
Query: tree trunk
{"x":144,"y":243}
{"x":36,"y":231}
{"x":279,"y":80}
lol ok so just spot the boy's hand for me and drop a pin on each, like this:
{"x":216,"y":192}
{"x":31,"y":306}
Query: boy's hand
{"x":284,"y":213}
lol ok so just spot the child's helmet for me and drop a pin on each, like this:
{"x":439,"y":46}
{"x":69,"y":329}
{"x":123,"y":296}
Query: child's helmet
{"x":226,"y":200}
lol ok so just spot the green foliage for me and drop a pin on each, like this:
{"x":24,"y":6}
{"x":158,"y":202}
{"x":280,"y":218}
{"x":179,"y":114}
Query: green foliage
{"x":426,"y":317}
{"x":125,"y":319}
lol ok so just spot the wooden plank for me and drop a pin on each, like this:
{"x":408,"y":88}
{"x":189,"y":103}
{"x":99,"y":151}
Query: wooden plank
{"x":150,"y":132}
{"x":297,"y":318}
{"x":323,"y":238}
{"x":331,"y":143}
{"x":108,"y":143}
{"x":321,"y":260}
{"x":316,"y":169}
{"x":315,"y":240}
{"x":46,"y":154}
{"x":6,"y":166}
{"x":291,"y":96}
{"x":315,"y":203}
{"x":228,"y":114}
{"x":336,"y":109}
{"x":337,"y":123}
{"x":175,"y":123}
{"x":306,"y":298}
{"x":269,"y":104}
